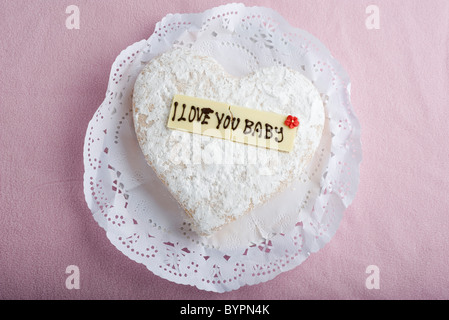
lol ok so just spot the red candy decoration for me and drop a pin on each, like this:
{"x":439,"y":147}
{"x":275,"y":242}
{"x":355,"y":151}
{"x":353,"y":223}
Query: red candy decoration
{"x":292,"y":122}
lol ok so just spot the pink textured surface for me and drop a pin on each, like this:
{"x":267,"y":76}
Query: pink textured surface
{"x":53,"y":79}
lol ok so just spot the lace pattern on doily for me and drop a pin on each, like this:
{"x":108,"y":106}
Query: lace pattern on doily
{"x":126,"y":198}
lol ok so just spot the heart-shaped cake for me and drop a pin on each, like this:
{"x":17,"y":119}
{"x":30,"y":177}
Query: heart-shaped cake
{"x":218,"y":180}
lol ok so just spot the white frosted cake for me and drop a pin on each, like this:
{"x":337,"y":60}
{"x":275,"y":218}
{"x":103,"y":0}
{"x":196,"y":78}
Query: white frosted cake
{"x":218,"y":180}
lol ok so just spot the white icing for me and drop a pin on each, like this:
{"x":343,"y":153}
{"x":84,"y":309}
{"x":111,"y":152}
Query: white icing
{"x":219,"y":180}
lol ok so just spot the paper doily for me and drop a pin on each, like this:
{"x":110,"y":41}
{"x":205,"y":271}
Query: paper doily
{"x":143,"y":220}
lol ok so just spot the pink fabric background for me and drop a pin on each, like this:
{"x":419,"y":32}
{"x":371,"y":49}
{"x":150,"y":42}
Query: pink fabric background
{"x":53,"y":79}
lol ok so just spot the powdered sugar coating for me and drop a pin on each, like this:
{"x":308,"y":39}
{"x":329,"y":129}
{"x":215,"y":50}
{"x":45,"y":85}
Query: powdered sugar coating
{"x":216,"y":180}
